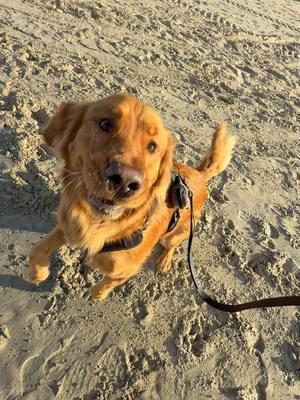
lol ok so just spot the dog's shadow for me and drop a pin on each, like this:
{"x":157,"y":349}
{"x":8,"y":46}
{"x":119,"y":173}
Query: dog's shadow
{"x":27,"y":208}
{"x":27,"y":202}
{"x":15,"y":282}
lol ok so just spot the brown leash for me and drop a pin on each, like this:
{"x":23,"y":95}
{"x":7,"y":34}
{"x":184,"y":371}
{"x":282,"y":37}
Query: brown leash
{"x":270,"y":302}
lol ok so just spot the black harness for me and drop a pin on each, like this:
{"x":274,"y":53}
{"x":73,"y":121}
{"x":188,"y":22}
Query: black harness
{"x":132,"y":241}
{"x":177,"y":198}
{"x":180,"y":196}
{"x":124,"y":244}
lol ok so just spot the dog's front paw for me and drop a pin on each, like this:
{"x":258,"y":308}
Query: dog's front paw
{"x":98,"y":293}
{"x":37,"y":275}
{"x":38,"y":266}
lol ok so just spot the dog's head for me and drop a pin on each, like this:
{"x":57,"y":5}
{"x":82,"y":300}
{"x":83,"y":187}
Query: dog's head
{"x":116,"y":152}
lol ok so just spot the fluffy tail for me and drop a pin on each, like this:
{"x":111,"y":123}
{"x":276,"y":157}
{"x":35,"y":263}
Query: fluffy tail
{"x":219,"y":154}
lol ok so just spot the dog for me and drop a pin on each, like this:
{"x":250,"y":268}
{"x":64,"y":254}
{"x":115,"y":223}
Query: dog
{"x":117,"y":162}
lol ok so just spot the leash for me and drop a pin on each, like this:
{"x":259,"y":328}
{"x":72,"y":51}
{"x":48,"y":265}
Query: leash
{"x":179,"y":195}
{"x":269,"y":302}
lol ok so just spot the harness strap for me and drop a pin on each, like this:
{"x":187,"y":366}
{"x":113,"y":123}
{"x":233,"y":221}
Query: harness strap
{"x":124,"y":244}
{"x":270,"y":302}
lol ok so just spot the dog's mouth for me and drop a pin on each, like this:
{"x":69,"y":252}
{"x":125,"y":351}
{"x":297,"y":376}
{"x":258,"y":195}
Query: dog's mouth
{"x":102,"y":205}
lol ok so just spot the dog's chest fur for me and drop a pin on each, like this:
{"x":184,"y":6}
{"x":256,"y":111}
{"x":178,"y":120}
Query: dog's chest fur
{"x":84,"y":229}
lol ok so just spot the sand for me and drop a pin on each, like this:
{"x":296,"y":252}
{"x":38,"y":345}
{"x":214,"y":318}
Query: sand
{"x":197,"y":63}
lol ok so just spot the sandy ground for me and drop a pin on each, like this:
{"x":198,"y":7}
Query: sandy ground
{"x":197,"y":62}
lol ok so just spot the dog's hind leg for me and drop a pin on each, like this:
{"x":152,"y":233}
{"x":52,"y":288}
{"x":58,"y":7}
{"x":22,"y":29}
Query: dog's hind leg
{"x":172,"y":241}
{"x":102,"y":289}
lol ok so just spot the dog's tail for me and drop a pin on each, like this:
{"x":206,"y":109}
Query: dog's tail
{"x":219,"y":154}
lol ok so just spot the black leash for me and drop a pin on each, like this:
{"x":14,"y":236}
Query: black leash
{"x":270,"y":302}
{"x":179,"y":195}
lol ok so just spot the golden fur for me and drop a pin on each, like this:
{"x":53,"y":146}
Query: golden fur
{"x":77,"y":139}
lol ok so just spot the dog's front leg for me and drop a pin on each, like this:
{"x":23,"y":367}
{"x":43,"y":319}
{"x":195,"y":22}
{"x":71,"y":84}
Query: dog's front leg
{"x":40,"y":253}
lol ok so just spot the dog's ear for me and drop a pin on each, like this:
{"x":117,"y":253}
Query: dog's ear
{"x":57,"y":124}
{"x":62,"y":127}
{"x":163,"y":180}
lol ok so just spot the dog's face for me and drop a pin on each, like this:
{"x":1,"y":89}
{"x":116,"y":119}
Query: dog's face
{"x":116,"y":151}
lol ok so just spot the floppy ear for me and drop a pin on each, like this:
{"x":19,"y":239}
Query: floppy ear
{"x":62,"y":127}
{"x":163,"y":181}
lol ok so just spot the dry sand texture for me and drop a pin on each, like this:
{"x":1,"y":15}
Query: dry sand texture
{"x":197,"y":62}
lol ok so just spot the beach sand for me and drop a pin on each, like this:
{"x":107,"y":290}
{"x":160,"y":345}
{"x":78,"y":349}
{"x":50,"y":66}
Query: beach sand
{"x":198,"y":63}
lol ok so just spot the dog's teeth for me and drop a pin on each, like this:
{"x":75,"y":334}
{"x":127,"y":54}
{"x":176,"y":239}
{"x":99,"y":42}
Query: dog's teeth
{"x":101,"y":204}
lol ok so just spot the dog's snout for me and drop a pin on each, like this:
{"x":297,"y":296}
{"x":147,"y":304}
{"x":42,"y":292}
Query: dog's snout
{"x":124,"y":179}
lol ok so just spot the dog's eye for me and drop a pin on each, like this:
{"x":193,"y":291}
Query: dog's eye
{"x":105,"y":125}
{"x":152,"y":146}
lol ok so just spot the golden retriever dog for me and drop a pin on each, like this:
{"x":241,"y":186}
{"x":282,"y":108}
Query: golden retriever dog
{"x":117,"y":161}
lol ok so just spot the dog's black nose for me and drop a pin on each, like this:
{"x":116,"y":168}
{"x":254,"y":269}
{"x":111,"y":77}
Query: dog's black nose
{"x":123,"y":179}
